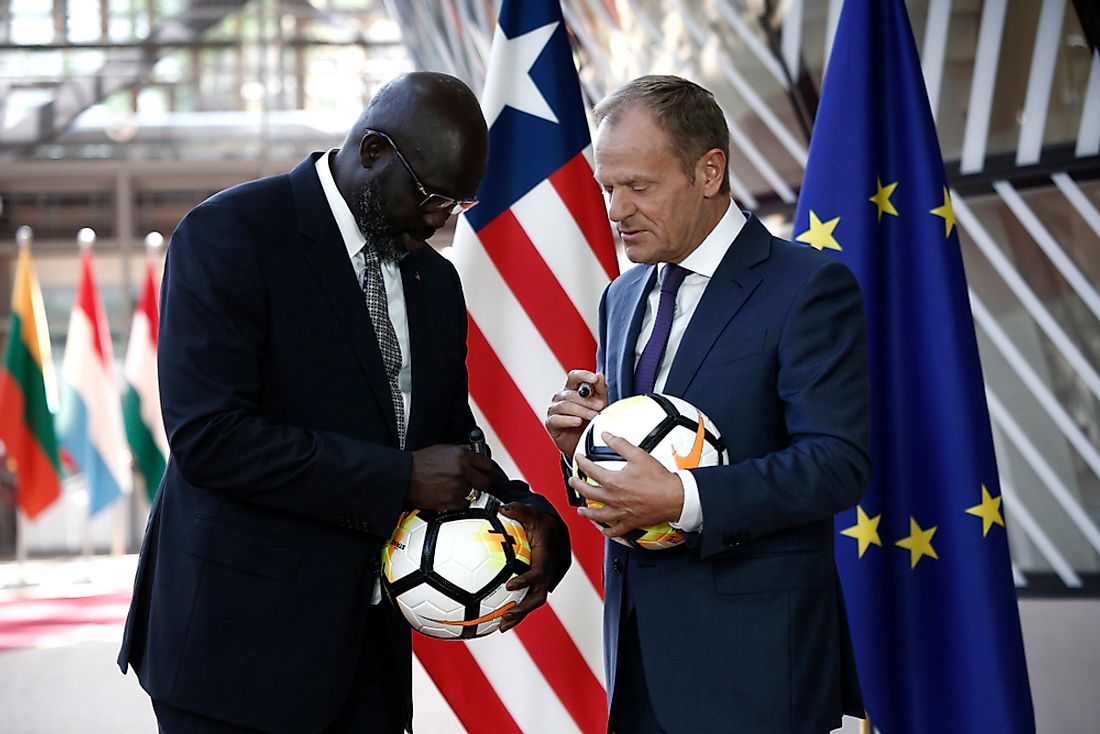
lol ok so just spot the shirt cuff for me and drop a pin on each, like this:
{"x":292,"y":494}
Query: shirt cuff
{"x":691,"y":517}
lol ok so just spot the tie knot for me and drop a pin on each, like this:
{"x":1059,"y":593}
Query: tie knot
{"x":373,"y":254}
{"x":370,"y":255}
{"x":673,"y":277}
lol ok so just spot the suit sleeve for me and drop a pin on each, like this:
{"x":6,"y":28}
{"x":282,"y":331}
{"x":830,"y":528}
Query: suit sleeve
{"x":214,"y":327}
{"x":823,"y":386}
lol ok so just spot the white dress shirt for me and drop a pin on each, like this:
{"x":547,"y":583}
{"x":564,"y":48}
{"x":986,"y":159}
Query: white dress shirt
{"x":391,"y":274}
{"x":701,"y":264}
{"x":354,"y":241}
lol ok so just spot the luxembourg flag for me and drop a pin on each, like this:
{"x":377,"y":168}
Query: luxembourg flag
{"x":141,"y":401}
{"x":90,"y":424}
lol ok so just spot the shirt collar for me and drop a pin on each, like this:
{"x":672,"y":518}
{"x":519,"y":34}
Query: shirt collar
{"x":345,"y":220}
{"x":705,"y":258}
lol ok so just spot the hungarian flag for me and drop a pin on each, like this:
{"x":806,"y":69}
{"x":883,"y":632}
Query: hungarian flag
{"x":90,"y":424}
{"x":26,"y":423}
{"x":534,"y":257}
{"x":141,"y":400}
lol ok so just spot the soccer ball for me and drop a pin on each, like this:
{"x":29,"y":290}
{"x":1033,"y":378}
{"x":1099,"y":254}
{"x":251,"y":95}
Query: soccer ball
{"x":446,"y":571}
{"x":672,"y":430}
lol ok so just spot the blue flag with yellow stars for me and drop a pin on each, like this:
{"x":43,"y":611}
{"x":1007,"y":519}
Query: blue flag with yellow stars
{"x":924,"y":558}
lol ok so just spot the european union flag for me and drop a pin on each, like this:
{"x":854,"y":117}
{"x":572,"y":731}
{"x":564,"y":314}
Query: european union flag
{"x":924,"y":559}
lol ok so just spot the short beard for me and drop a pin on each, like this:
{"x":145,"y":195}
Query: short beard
{"x":370,"y":216}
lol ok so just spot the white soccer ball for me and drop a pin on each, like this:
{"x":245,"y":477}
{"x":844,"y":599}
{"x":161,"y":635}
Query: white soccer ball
{"x":446,"y":571}
{"x":670,"y":429}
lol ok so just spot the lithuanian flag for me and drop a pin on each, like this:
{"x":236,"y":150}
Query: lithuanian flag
{"x":26,"y":424}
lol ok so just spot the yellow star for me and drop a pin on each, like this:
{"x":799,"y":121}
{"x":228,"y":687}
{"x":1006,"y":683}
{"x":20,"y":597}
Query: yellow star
{"x":865,"y":530}
{"x":881,"y":199}
{"x":918,"y":543}
{"x":989,"y":511}
{"x":820,"y":235}
{"x":946,"y":212}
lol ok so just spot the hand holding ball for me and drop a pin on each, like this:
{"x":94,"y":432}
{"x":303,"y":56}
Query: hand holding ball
{"x":671,"y":430}
{"x":446,"y":571}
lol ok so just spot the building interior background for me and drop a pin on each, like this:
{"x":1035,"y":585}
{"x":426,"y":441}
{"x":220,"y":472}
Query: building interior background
{"x":121,"y":115}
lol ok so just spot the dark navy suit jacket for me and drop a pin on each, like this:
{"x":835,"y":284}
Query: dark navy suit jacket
{"x":743,"y":627}
{"x":262,"y":546}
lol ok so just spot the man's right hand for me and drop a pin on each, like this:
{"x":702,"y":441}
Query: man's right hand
{"x":442,"y":476}
{"x":569,"y":413}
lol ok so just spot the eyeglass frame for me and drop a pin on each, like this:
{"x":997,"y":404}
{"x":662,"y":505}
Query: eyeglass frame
{"x":448,"y":204}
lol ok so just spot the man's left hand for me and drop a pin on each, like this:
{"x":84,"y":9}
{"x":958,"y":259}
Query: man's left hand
{"x":547,"y":535}
{"x":641,"y":494}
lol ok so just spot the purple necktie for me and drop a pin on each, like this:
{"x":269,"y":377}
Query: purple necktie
{"x":645,"y":374}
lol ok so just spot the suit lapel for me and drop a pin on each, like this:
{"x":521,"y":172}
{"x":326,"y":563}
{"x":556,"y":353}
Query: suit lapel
{"x":328,"y":259}
{"x":626,"y":322}
{"x":419,"y":345}
{"x":733,"y":282}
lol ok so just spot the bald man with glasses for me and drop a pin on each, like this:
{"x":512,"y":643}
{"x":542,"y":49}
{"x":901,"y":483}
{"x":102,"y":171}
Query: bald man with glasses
{"x":432,"y":202}
{"x":313,"y":381}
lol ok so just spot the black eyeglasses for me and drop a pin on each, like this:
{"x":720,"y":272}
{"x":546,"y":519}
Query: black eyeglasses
{"x":432,"y":202}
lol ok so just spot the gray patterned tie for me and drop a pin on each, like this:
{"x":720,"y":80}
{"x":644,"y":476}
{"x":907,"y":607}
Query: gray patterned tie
{"x":374,"y":288}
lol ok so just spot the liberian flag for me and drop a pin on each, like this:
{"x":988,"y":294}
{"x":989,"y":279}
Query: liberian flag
{"x":141,"y":401}
{"x":90,"y":424}
{"x":534,"y":257}
{"x":26,"y":423}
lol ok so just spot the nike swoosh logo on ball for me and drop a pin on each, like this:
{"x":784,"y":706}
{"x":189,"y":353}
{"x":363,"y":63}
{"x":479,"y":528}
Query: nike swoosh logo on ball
{"x":691,"y":461}
{"x":471,"y":622}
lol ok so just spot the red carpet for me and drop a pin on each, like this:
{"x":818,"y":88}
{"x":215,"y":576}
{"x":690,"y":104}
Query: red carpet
{"x":63,"y":620}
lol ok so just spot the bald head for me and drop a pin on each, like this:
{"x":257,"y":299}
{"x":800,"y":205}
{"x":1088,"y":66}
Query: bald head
{"x":438,"y":99}
{"x":422,"y":135}
{"x":436,"y":121}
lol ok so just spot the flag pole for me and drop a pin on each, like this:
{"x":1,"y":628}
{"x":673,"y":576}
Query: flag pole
{"x":20,"y":548}
{"x":118,"y":540}
{"x":122,"y":504}
{"x":24,"y":236}
{"x":85,"y":240}
{"x":154,"y":243}
{"x":865,"y":725}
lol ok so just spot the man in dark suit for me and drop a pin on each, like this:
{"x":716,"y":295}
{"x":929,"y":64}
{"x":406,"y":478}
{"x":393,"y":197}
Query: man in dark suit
{"x":742,"y":628}
{"x":313,"y":378}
